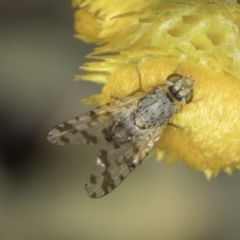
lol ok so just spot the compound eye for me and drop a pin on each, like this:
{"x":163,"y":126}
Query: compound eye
{"x":173,"y":78}
{"x":189,"y":97}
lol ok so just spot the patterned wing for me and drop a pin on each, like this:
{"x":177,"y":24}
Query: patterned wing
{"x":114,"y":163}
{"x":91,"y":126}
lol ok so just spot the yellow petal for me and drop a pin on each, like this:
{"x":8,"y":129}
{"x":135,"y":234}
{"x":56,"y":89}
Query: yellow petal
{"x":228,"y":170}
{"x":208,"y":174}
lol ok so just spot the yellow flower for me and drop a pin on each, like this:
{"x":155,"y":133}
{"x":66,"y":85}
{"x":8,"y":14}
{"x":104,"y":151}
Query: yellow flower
{"x":158,"y":35}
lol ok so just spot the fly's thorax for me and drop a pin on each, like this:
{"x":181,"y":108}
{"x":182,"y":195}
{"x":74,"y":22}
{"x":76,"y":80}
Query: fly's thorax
{"x":180,"y":88}
{"x":154,"y":109}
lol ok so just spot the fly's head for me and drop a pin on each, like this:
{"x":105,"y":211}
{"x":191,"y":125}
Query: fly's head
{"x":180,"y":88}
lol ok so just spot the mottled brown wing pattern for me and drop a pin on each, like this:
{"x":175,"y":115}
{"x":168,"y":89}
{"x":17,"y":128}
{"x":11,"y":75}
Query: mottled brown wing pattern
{"x":92,"y":126}
{"x":115,"y":164}
{"x":128,"y":127}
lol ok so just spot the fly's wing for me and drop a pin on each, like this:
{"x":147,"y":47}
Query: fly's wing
{"x":92,"y":126}
{"x":114,"y":163}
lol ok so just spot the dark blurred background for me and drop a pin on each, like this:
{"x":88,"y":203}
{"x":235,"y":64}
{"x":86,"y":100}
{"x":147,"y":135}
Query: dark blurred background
{"x":42,"y":193}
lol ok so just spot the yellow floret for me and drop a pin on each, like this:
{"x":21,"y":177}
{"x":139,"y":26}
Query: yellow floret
{"x":156,"y":36}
